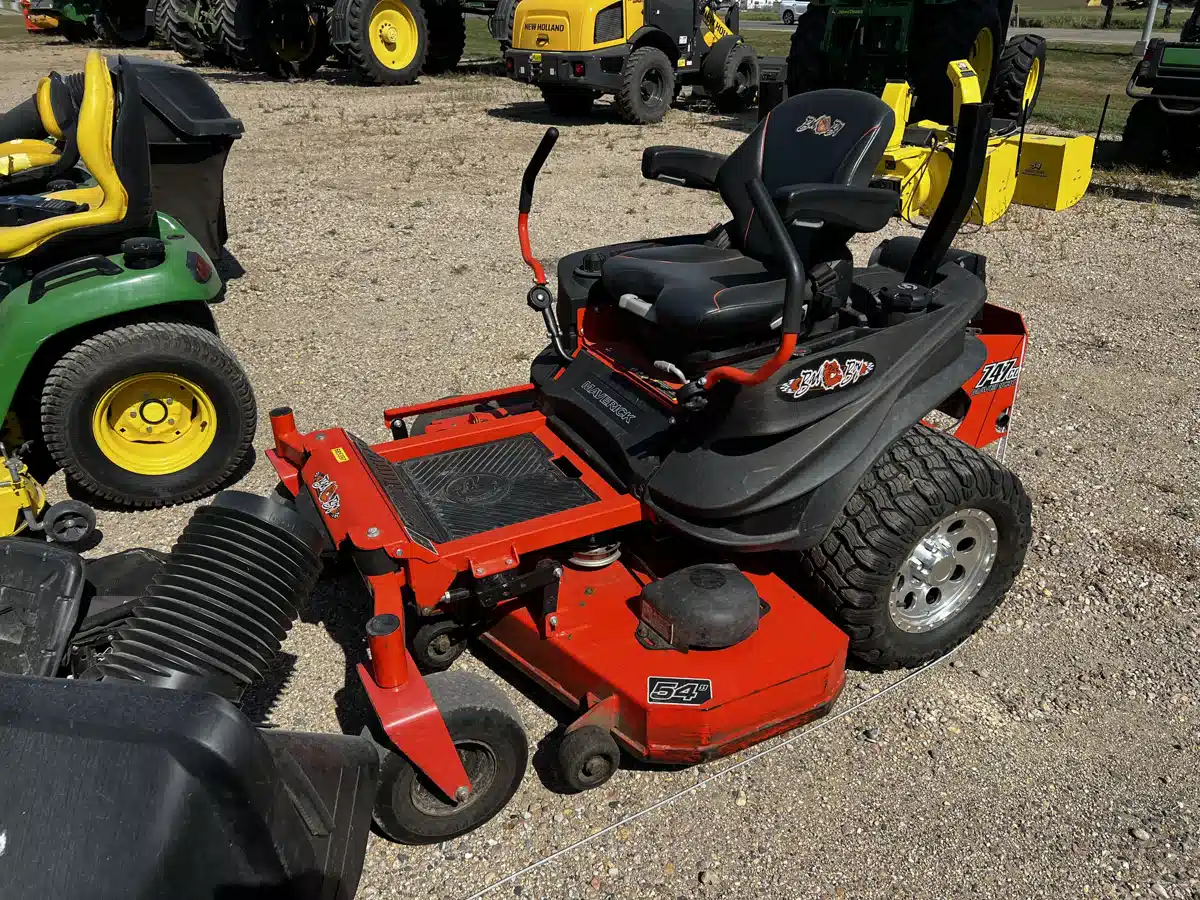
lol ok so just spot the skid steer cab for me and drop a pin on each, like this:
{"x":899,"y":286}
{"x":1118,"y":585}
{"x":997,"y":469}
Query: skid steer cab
{"x":641,"y":54}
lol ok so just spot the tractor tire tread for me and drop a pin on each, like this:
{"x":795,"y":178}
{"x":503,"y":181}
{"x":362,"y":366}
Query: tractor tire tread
{"x":237,"y":37}
{"x":1016,"y":62}
{"x":629,"y":99}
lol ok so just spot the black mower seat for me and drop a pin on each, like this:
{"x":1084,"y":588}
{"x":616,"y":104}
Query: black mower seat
{"x":703,"y":291}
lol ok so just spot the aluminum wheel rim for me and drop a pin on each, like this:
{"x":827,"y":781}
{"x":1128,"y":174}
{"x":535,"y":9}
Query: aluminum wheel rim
{"x":944,"y":571}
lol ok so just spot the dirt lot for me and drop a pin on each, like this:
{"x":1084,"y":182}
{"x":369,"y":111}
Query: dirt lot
{"x":1057,"y":755}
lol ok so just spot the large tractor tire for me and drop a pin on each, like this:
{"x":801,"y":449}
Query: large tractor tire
{"x":388,"y":40}
{"x":160,"y":22}
{"x":941,"y":33}
{"x":295,"y":39}
{"x":804,"y":69}
{"x":1019,"y":78}
{"x":447,"y":37}
{"x":149,"y":415}
{"x":647,"y":86}
{"x":240,"y":36}
{"x":122,"y":23}
{"x":729,"y":73}
{"x":500,"y":24}
{"x":181,"y":36}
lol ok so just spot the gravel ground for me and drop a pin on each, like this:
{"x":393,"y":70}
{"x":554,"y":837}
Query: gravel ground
{"x":1056,"y":755}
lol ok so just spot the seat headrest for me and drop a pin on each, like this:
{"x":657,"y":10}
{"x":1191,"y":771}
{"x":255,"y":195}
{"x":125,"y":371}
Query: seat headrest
{"x":831,"y":136}
{"x":55,"y":106}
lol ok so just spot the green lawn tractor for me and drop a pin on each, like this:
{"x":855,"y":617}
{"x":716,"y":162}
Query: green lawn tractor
{"x":110,"y":218}
{"x":1164,"y":124}
{"x":864,"y":45}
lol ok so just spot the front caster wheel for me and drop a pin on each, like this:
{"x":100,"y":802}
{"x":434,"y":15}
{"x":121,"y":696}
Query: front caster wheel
{"x":926,"y":548}
{"x":587,"y":757}
{"x":436,"y":645}
{"x":493,"y":748}
{"x":69,"y":522}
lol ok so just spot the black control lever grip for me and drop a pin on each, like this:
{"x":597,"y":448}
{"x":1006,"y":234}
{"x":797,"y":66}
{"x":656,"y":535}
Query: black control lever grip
{"x":535,"y":166}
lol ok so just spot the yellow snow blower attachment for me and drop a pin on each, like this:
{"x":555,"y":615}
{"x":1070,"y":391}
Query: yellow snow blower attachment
{"x":1027,"y":169}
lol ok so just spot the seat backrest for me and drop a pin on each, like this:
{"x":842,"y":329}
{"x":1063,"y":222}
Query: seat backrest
{"x":821,"y":137}
{"x":111,"y":138}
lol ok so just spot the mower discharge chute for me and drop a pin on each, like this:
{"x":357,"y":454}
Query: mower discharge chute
{"x":714,"y":487}
{"x":111,"y":215}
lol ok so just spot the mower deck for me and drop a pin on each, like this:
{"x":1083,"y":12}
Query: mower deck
{"x":473,"y":499}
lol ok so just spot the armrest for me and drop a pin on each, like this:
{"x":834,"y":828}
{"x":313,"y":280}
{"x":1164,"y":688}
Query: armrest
{"x":683,"y":166}
{"x":857,"y":208}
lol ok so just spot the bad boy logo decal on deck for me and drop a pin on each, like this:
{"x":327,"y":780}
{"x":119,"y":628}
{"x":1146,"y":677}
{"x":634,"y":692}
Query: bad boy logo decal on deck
{"x":828,"y":375}
{"x":825,"y":126}
{"x":326,"y":490}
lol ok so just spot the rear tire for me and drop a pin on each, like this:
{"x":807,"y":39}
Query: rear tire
{"x":739,"y":80}
{"x":180,"y":35}
{"x":447,"y":37}
{"x":122,"y":23}
{"x":944,"y":32}
{"x":295,"y":40}
{"x":239,"y":35}
{"x":647,"y":87}
{"x":569,"y":102}
{"x":82,"y":383}
{"x":1019,"y":78}
{"x":860,"y":575}
{"x":1144,"y":140}
{"x":400,"y":29}
{"x":487,"y":731}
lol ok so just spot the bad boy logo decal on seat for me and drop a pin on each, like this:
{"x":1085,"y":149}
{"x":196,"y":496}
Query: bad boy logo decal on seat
{"x":825,"y":126}
{"x":827,"y":375}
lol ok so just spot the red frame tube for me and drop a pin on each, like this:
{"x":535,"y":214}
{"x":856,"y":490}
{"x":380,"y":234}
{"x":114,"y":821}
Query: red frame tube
{"x":787,"y":346}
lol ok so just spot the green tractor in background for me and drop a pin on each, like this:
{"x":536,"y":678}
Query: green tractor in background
{"x":117,"y":23}
{"x":1164,"y":124}
{"x":864,"y":44}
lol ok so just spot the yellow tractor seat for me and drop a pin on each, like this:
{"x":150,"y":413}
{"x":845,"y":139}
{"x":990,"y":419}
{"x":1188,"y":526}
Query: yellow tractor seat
{"x":110,"y":136}
{"x":37,"y":150}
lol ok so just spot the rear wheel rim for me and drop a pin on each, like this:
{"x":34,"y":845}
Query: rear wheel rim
{"x":652,"y":87}
{"x":1031,"y":84}
{"x":393,"y":34}
{"x":983,"y":50}
{"x":154,"y":423}
{"x":944,"y":571}
{"x":481,"y":766}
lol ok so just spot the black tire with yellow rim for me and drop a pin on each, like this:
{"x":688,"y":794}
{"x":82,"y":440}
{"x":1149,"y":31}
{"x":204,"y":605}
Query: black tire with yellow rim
{"x":942,"y":33}
{"x":149,"y":414}
{"x":1019,"y":78}
{"x":388,"y":40}
{"x":297,"y":39}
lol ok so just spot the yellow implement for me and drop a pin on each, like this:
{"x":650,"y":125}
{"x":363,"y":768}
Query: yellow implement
{"x":22,"y":499}
{"x":1054,"y":172}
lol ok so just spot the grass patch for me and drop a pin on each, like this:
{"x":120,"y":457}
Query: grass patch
{"x":1074,"y":14}
{"x":480,"y":44}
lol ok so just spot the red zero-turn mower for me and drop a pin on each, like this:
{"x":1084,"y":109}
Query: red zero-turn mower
{"x":716,"y":484}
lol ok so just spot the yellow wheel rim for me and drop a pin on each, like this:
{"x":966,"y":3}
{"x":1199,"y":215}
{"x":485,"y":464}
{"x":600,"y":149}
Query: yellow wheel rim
{"x":1031,"y":83}
{"x":982,"y":53}
{"x":393,"y":34}
{"x":154,"y":424}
